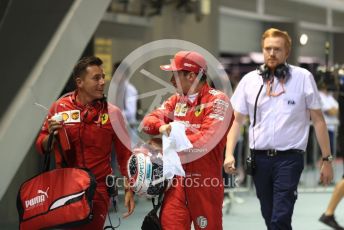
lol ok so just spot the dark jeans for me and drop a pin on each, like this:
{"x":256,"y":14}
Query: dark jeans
{"x":276,"y":179}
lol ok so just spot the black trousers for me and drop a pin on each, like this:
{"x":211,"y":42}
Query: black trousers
{"x":276,"y":179}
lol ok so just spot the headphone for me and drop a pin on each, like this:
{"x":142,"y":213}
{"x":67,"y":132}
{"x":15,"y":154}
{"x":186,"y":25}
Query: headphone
{"x":281,"y":71}
{"x":91,"y":113}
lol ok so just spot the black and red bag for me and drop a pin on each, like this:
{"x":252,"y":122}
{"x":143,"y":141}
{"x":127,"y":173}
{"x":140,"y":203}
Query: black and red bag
{"x":151,"y":220}
{"x":57,"y":198}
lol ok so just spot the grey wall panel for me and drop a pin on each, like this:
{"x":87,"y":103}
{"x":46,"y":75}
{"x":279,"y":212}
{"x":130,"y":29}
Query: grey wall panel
{"x":239,"y":35}
{"x":338,"y":18}
{"x":125,"y":38}
{"x":4,"y":5}
{"x":316,"y":44}
{"x":339,"y":48}
{"x":249,"y":5}
{"x":296,"y":11}
{"x":26,"y":30}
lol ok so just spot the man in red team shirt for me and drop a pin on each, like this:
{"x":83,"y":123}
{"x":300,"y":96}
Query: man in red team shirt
{"x":86,"y":120}
{"x":206,"y":113}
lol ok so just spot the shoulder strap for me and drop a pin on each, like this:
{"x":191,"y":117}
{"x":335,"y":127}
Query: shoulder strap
{"x":62,"y":153}
{"x":46,"y":164}
{"x":47,"y":154}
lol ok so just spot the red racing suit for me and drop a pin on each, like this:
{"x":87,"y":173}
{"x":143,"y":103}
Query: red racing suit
{"x":91,"y":135}
{"x":198,"y":197}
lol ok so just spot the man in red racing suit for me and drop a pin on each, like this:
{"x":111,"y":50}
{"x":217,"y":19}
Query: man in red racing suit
{"x":206,"y":112}
{"x":90,"y":135}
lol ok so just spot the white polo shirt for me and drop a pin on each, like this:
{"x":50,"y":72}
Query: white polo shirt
{"x":282,"y":122}
{"x":328,"y":102}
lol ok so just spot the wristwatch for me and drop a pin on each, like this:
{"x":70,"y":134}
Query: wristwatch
{"x":329,"y":158}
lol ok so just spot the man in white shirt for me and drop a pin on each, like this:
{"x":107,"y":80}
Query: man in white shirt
{"x":130,"y":103}
{"x":330,"y":109}
{"x":129,"y":95}
{"x":280,"y":99}
{"x":127,"y":100}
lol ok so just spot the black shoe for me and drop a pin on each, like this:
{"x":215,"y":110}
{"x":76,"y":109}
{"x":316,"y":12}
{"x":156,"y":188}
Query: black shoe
{"x":330,"y":221}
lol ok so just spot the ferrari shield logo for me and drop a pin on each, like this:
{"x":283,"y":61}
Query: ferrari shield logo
{"x":105,"y":118}
{"x":198,"y":110}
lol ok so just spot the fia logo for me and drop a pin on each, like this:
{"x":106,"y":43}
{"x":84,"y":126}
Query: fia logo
{"x":291,"y":102}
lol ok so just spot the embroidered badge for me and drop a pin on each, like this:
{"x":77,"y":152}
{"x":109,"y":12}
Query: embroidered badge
{"x":199,"y":109}
{"x":105,"y":118}
{"x":180,"y":109}
{"x":202,"y":222}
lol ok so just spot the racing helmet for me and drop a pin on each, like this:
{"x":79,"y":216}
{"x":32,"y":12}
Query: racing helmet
{"x":145,"y":171}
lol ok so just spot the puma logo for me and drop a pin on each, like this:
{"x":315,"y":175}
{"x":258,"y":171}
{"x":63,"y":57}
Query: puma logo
{"x":43,"y":192}
{"x":37,"y":200}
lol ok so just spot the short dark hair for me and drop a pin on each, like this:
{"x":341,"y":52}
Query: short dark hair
{"x":115,"y":67}
{"x":83,"y":63}
{"x":124,"y":69}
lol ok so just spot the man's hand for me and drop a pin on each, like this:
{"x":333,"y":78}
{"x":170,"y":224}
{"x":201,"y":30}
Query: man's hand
{"x":229,"y":164}
{"x":53,"y":126}
{"x":326,"y":173}
{"x":129,"y":203}
{"x":165,"y":129}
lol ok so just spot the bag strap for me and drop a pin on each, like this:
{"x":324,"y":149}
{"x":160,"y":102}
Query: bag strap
{"x":159,"y":200}
{"x":46,"y":164}
{"x":47,"y":154}
{"x":62,"y":153}
{"x":114,"y":202}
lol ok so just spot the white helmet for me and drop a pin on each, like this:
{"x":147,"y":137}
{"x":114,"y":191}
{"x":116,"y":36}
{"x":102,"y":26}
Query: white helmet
{"x":145,"y":171}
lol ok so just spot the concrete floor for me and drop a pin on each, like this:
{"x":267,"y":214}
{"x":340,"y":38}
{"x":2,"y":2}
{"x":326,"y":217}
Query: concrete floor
{"x":312,"y":202}
{"x":246,"y":215}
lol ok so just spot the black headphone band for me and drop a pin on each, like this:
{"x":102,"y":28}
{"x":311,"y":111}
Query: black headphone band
{"x":281,"y":71}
